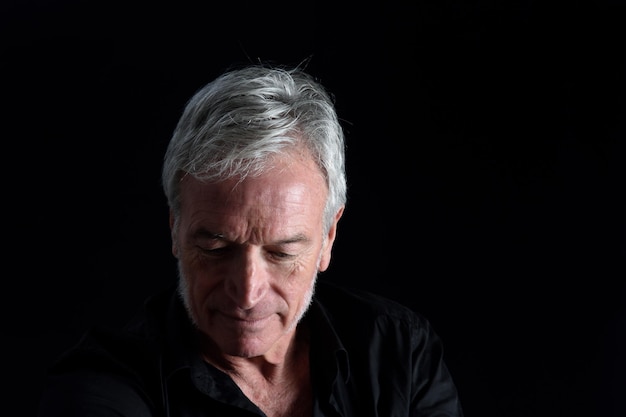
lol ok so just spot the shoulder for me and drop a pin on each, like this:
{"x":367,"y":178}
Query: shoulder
{"x":94,"y":391}
{"x":353,"y":309}
{"x":126,"y":347}
{"x":351,"y":300}
{"x":110,"y":368}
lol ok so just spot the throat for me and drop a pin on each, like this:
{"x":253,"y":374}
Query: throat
{"x":283,"y":389}
{"x":293,"y":398}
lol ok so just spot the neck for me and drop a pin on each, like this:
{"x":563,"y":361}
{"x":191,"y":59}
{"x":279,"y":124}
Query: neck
{"x":279,"y":364}
{"x":279,"y":388}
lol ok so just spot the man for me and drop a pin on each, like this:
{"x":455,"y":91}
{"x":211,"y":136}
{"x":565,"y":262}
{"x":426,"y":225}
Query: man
{"x":254,"y":176}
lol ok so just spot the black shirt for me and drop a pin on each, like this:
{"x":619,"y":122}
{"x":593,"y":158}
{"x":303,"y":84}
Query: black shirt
{"x":369,"y":356}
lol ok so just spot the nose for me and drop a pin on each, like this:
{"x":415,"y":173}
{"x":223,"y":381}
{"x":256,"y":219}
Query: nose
{"x":247,"y":283}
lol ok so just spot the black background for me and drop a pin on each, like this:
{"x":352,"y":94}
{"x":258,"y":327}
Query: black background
{"x":485,"y":158}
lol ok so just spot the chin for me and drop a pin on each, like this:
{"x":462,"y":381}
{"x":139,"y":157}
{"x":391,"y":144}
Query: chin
{"x":244,"y":349}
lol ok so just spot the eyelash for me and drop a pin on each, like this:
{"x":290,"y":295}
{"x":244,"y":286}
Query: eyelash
{"x":225,"y":249}
{"x":282,"y":255}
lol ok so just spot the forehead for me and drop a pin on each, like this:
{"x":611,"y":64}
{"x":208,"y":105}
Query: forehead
{"x":294,"y":185}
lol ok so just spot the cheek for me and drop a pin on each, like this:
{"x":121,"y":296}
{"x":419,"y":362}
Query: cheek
{"x":198,"y":283}
{"x":196,"y":269}
{"x":300,"y":279}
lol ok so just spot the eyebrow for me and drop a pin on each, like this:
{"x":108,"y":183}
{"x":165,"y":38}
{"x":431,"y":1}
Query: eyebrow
{"x":207,"y":234}
{"x":294,"y":239}
{"x":298,"y":238}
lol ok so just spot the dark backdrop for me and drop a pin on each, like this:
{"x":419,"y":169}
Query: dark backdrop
{"x":485,"y":159}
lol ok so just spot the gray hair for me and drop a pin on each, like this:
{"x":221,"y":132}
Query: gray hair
{"x":236,"y":123}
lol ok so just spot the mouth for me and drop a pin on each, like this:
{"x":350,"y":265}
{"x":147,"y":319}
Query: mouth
{"x":252,"y":323}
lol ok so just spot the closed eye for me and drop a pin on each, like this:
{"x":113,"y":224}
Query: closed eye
{"x":281,"y":255}
{"x":217,"y":250}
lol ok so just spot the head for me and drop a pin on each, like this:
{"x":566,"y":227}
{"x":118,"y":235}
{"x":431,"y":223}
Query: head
{"x":255,"y":180}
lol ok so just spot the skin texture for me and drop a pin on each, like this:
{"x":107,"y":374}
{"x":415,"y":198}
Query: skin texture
{"x":249,"y":252}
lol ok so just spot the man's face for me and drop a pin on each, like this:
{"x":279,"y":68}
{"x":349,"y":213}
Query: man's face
{"x":249,"y":252}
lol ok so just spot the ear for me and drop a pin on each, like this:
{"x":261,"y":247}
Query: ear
{"x":328,"y":242}
{"x":173,"y":234}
